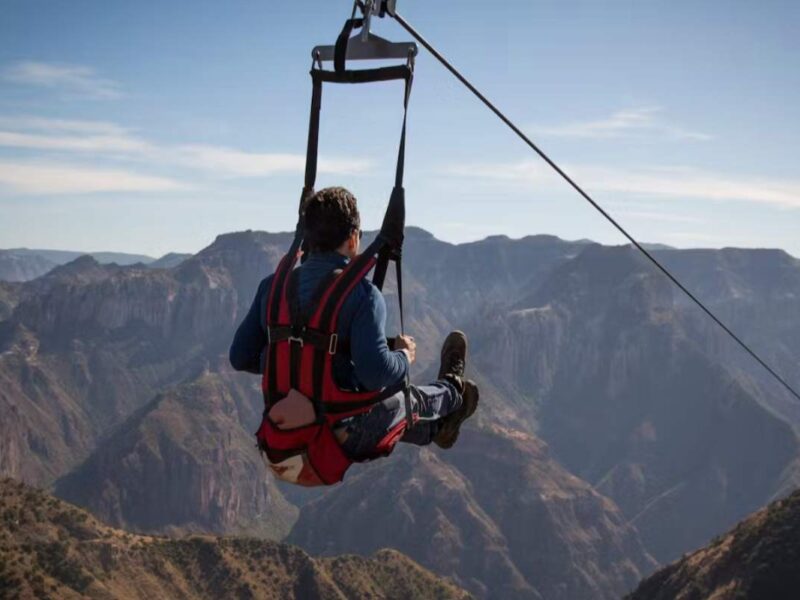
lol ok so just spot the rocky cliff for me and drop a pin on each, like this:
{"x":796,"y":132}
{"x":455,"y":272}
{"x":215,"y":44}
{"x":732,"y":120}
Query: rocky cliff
{"x":182,"y":464}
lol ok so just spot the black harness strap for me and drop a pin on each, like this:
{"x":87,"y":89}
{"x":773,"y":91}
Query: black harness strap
{"x":318,"y":339}
{"x":312,"y":148}
{"x":352,"y":273}
{"x":298,"y":332}
{"x":278,"y":284}
{"x":344,"y":407}
{"x":297,"y":327}
{"x":340,"y":48}
{"x":363,"y":75}
{"x":395,"y":217}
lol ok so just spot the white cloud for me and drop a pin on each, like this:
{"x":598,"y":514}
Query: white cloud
{"x":643,"y":122}
{"x":112,"y":140}
{"x":120,"y":143}
{"x":79,"y":80}
{"x":688,"y":237}
{"x":231,"y":162}
{"x":43,"y":178}
{"x":677,"y":182}
{"x":32,"y":123}
{"x":659,"y":217}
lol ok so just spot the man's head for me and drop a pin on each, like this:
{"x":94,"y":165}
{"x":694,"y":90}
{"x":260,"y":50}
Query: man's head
{"x":332,"y":222}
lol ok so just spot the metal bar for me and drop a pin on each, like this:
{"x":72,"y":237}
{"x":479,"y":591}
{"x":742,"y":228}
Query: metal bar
{"x":376,"y":48}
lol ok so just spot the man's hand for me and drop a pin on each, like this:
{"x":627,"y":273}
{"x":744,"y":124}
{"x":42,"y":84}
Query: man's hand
{"x":407,"y":344}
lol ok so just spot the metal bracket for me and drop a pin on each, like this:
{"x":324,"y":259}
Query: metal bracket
{"x":368,"y":8}
{"x":366,"y":45}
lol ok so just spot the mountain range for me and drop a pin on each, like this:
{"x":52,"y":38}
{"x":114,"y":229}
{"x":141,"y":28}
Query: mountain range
{"x":24,"y":264}
{"x":617,"y":428}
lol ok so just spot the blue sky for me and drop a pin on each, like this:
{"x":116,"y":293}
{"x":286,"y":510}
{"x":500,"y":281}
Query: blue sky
{"x":154,"y":126}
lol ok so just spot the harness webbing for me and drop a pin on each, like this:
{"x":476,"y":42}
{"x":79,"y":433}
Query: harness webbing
{"x":386,"y":247}
{"x":389,"y":242}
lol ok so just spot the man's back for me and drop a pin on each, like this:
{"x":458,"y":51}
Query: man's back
{"x":363,"y":361}
{"x":366,"y":362}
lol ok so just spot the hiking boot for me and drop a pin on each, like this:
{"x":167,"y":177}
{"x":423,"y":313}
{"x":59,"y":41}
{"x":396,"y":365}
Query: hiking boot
{"x":454,"y":359}
{"x":450,"y":425}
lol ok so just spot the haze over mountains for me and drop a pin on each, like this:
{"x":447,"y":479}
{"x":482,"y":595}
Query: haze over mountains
{"x":618,"y":429}
{"x":24,"y":264}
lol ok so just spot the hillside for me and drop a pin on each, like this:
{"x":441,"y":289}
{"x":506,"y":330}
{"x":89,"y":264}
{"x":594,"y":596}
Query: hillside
{"x":50,"y":549}
{"x":183,"y":464}
{"x":496,"y":514}
{"x":757,"y":560}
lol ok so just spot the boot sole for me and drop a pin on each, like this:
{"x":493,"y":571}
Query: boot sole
{"x":448,"y":435}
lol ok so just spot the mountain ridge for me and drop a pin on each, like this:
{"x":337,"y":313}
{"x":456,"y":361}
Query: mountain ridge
{"x":52,"y":549}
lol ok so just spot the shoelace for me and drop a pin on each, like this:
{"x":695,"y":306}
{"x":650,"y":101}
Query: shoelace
{"x":456,"y":366}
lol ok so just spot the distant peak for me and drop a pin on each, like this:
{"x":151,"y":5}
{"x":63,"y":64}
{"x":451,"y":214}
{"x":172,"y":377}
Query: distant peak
{"x":84,"y":267}
{"x":79,"y":264}
{"x":418,"y":233}
{"x":238,"y":241}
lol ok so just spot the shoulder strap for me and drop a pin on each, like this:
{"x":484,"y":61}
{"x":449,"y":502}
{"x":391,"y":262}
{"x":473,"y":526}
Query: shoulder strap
{"x":273,"y":307}
{"x":300,"y":316}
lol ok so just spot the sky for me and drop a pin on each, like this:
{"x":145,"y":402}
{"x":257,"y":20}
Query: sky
{"x":151,"y":127}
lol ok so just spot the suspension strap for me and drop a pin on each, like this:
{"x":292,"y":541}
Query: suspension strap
{"x":391,"y":235}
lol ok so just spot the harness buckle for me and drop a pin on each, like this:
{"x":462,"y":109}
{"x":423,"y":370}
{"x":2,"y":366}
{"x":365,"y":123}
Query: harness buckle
{"x":296,"y":339}
{"x":333,"y":343}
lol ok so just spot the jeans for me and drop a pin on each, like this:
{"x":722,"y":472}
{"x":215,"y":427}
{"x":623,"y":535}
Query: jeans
{"x":429,"y":403}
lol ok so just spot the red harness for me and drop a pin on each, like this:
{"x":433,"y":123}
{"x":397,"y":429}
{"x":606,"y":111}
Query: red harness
{"x":303,"y":402}
{"x":300,"y":449}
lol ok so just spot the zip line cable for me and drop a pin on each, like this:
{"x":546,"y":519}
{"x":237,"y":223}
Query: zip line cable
{"x":436,"y":54}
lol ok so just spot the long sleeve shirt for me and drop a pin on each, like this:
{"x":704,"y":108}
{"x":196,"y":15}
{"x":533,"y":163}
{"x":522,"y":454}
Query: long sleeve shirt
{"x":369,"y":364}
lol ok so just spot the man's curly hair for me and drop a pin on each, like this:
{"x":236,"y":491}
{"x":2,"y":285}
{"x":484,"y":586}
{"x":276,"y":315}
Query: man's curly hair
{"x":330,"y":217}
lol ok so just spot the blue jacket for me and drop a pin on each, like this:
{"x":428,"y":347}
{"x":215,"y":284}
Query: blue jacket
{"x":370,"y":364}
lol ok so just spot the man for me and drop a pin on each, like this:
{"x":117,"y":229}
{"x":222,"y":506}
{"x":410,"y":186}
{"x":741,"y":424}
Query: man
{"x":366,"y":362}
